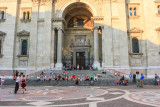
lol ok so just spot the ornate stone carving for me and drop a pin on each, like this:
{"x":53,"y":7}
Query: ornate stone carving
{"x":79,"y":29}
{"x":2,"y":33}
{"x":43,"y":2}
{"x":25,"y":20}
{"x":23,"y":33}
{"x":98,"y":18}
{"x":158,"y":29}
{"x":135,"y":30}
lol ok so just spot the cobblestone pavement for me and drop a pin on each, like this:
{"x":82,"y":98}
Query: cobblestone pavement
{"x":77,"y":96}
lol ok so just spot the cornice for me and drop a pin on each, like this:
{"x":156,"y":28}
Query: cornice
{"x":135,"y":30}
{"x":97,"y":18}
{"x":23,"y":33}
{"x":2,"y":33}
{"x":158,"y":29}
{"x":157,"y":1}
{"x":43,"y":2}
{"x":59,"y":20}
{"x":79,"y":29}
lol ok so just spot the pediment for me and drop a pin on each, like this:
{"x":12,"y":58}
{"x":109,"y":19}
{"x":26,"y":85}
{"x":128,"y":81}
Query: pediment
{"x":135,"y":30}
{"x":158,"y":29}
{"x":2,"y":33}
{"x":23,"y":33}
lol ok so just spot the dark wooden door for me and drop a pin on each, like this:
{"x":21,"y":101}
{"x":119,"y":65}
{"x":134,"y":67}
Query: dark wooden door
{"x":80,"y":60}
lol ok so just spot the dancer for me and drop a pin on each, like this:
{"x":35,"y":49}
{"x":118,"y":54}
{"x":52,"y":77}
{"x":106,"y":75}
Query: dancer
{"x":23,"y":83}
{"x":18,"y":79}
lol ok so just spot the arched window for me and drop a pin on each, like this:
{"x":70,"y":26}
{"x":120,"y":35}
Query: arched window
{"x":135,"y":45}
{"x":24,"y":47}
{"x":28,"y":15}
{"x":135,"y":12}
{"x":0,"y":47}
{"x":2,"y":14}
{"x":24,"y":15}
{"x":158,"y":9}
{"x":130,"y":11}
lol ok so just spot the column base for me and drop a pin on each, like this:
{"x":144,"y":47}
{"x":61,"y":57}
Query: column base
{"x":52,"y":66}
{"x":58,"y":66}
{"x":103,"y":65}
{"x":96,"y":65}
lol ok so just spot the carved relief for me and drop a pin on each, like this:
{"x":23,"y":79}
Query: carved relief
{"x":23,"y":63}
{"x":135,"y":30}
{"x":23,"y":33}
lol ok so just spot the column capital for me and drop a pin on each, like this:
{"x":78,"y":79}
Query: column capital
{"x":96,"y":27}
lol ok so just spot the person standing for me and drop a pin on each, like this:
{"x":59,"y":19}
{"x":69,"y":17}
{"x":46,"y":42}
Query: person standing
{"x":23,"y":83}
{"x":157,"y":79}
{"x":2,"y":80}
{"x":18,"y":79}
{"x":141,"y":80}
{"x":130,"y":76}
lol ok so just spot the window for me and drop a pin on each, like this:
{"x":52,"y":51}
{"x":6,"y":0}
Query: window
{"x":158,"y":7}
{"x":130,"y":12}
{"x":24,"y":47}
{"x":135,"y":45}
{"x":135,"y":12}
{"x":0,"y":47}
{"x":26,"y":15}
{"x":1,"y":14}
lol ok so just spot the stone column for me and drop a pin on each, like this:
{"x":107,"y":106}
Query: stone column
{"x":52,"y":49}
{"x":103,"y":47}
{"x":96,"y":48}
{"x":59,"y":64}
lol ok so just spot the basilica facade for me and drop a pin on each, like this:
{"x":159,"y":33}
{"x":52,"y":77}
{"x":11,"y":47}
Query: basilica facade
{"x":111,"y":35}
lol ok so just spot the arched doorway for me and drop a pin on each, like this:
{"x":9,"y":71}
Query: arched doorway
{"x":77,"y":49}
{"x":78,"y":37}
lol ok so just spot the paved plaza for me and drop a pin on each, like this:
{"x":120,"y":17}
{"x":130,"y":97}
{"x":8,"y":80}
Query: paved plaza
{"x":78,"y":96}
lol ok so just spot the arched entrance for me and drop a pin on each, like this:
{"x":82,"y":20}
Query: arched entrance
{"x":78,"y":42}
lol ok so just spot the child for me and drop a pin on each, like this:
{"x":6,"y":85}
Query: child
{"x":117,"y":81}
{"x":138,"y":83}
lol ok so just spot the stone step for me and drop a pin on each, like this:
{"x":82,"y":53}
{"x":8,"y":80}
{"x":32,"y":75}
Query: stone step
{"x":106,"y":82}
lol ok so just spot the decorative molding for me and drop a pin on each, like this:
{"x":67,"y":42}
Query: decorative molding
{"x":158,"y":29}
{"x":1,"y":55}
{"x":134,"y":17}
{"x":79,"y":29}
{"x":97,"y":18}
{"x":43,"y":2}
{"x":41,"y":20}
{"x":59,"y":20}
{"x":133,"y":3}
{"x":25,"y":20}
{"x":2,"y":20}
{"x":157,"y":1}
{"x":158,"y":15}
{"x":22,"y":55}
{"x":2,"y":33}
{"x":135,"y":30}
{"x":23,"y":33}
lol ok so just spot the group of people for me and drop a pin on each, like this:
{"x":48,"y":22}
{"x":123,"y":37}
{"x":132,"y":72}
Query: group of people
{"x":20,"y":81}
{"x":65,"y":76}
{"x":124,"y":81}
{"x":78,"y":67}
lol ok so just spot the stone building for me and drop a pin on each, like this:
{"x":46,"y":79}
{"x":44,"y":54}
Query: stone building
{"x":114,"y":35}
